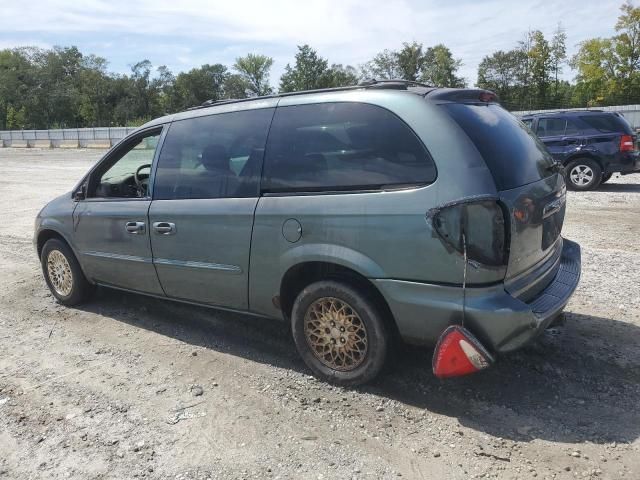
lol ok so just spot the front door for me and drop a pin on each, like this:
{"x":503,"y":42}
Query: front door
{"x":111,"y":223}
{"x":204,"y":198}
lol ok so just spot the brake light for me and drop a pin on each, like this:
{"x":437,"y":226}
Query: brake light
{"x":627,"y":144}
{"x":488,"y":97}
{"x":458,"y":353}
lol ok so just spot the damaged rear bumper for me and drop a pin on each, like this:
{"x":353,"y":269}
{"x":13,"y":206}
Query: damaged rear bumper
{"x":502,"y":321}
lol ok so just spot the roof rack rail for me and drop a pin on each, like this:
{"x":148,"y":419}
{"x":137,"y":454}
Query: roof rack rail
{"x":547,"y":112}
{"x":398,"y":83}
{"x":365,"y":84}
{"x":211,"y":103}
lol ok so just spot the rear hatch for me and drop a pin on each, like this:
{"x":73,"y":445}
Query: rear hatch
{"x":530,"y":189}
{"x":611,"y":125}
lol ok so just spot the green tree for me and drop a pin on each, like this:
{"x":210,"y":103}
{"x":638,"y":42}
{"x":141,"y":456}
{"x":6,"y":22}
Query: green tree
{"x":164,"y":85}
{"x":16,"y":80}
{"x":93,"y":87}
{"x":558,"y":56}
{"x":498,"y":72}
{"x":440,"y":68}
{"x":627,"y":50}
{"x":596,"y":64}
{"x":384,"y":66}
{"x":144,"y":95}
{"x":254,"y":70}
{"x":541,"y":67}
{"x":307,"y":73}
{"x":410,"y":61}
{"x":16,"y":119}
{"x":340,"y":76}
{"x":235,"y":87}
{"x":200,"y":84}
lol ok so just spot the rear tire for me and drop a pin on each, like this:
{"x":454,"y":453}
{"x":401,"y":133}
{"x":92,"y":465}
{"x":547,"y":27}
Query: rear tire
{"x":63,"y":274}
{"x":606,"y":177}
{"x":339,"y":333}
{"x":583,"y":174}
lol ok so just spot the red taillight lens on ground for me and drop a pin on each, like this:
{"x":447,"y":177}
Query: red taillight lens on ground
{"x":627,"y":144}
{"x":459,"y":353}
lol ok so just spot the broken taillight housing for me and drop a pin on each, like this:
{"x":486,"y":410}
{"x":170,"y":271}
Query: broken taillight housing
{"x":458,"y":353}
{"x":478,"y":223}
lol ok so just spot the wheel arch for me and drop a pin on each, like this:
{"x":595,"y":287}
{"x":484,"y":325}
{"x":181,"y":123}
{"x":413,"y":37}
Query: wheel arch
{"x":298,"y":276}
{"x":47,"y":234}
{"x":584,"y":154}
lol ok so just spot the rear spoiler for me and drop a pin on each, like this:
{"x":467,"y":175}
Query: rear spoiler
{"x":463,"y":95}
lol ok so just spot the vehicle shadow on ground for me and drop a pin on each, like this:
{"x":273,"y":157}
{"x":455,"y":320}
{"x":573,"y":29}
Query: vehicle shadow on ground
{"x":571,"y":387}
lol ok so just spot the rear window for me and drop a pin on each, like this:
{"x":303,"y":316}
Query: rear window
{"x":342,"y":146}
{"x":607,"y":123}
{"x":513,"y":154}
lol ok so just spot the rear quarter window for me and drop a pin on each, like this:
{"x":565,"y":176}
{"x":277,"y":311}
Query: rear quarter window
{"x":342,"y":146}
{"x":513,"y":154}
{"x":607,"y":123}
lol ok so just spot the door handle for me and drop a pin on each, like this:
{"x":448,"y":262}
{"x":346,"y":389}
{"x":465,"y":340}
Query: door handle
{"x":134,"y":227}
{"x":164,"y":228}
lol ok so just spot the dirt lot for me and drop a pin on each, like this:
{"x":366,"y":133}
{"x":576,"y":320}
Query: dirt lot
{"x":132,"y":387}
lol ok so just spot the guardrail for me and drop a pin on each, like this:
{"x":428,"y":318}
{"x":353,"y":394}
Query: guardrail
{"x":630,"y":112}
{"x":70,"y":137}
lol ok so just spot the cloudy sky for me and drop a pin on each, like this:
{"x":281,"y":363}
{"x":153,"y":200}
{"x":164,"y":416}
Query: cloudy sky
{"x":186,"y":33}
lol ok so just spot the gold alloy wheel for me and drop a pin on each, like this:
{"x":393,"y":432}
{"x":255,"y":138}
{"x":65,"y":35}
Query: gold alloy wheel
{"x":336,"y":334}
{"x":59,"y":272}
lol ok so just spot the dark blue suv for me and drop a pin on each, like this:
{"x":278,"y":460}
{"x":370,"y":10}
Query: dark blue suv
{"x":592,"y":145}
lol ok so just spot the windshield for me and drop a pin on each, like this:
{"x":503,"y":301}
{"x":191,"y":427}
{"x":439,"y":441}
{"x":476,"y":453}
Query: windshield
{"x":513,"y":154}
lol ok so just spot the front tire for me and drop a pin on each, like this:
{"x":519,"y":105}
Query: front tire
{"x":63,"y":274}
{"x":339,"y":333}
{"x":583,"y":174}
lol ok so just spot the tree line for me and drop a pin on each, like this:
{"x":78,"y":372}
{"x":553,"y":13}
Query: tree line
{"x":64,"y":88}
{"x":529,"y":76}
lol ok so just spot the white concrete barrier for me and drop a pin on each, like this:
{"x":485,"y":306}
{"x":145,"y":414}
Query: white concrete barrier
{"x":101,"y":137}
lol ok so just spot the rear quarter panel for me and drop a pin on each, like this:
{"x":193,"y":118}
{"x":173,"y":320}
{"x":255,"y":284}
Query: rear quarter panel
{"x":378,"y":234}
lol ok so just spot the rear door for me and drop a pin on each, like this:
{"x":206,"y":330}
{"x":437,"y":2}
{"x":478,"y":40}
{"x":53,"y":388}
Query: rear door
{"x":551,"y":130}
{"x":205,"y":194}
{"x":526,"y":180}
{"x":111,"y":229}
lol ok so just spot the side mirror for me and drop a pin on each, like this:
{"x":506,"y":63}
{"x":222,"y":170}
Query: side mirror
{"x":80,"y":193}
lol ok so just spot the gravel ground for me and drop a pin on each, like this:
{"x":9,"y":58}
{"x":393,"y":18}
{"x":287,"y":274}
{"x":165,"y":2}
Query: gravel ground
{"x":132,"y":387}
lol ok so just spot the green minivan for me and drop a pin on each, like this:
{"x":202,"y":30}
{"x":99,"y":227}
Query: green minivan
{"x":385,"y":212}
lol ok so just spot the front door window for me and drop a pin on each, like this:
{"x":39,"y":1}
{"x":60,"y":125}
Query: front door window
{"x":126,"y":175}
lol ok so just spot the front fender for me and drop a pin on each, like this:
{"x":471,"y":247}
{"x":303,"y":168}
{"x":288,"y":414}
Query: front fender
{"x":57,"y":217}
